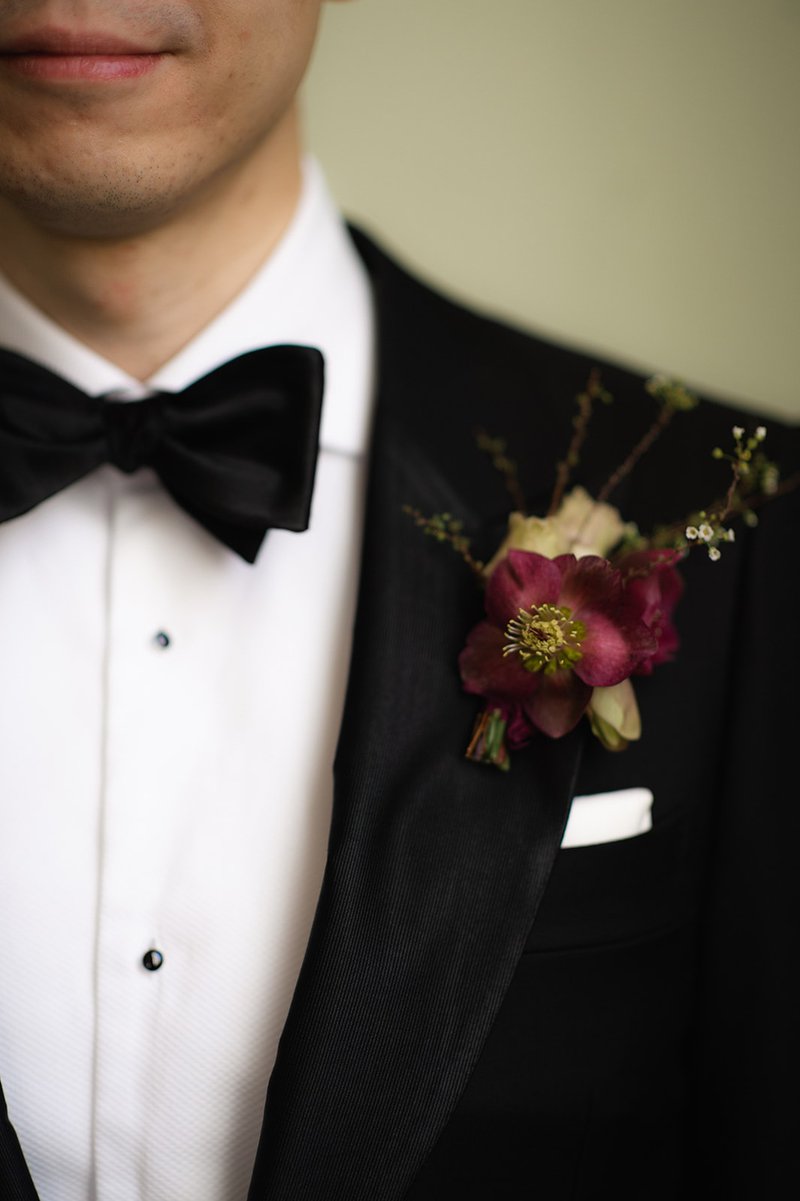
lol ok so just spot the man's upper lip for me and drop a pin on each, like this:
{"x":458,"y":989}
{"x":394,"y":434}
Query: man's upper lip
{"x":68,"y":42}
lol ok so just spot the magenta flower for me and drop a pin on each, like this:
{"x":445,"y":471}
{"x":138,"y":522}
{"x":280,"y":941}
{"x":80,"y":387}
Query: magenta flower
{"x":655,"y":587}
{"x":555,"y":629}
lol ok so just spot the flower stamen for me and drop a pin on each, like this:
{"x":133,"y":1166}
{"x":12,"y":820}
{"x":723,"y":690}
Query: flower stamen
{"x":545,"y":638}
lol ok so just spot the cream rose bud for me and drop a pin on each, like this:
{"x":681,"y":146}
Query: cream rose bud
{"x":589,"y":528}
{"x":580,"y":527}
{"x":537,"y":534}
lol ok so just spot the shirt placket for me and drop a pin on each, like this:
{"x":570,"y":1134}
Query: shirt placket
{"x":133,"y":965}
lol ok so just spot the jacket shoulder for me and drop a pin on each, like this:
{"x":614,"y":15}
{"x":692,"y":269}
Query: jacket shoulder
{"x":455,"y":369}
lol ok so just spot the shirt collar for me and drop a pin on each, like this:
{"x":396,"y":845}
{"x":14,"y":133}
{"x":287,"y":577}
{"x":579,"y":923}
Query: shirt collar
{"x":312,"y":290}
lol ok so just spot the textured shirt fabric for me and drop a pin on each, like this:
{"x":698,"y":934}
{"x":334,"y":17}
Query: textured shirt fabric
{"x":168,"y":720}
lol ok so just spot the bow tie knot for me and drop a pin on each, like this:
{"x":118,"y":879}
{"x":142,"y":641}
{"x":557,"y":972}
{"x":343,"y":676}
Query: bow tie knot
{"x":133,"y":430}
{"x":237,"y":449}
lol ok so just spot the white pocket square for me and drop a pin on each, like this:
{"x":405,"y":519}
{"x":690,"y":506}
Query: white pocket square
{"x":608,"y":817}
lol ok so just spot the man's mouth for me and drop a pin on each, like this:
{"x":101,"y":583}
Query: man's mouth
{"x":53,"y":54}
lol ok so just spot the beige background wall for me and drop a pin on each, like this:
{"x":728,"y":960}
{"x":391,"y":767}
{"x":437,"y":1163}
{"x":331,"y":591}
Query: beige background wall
{"x":622,"y":174}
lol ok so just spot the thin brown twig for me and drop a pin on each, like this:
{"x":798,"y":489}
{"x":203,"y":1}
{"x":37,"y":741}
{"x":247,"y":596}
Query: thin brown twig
{"x":580,"y":426}
{"x":724,"y":506}
{"x":454,"y":537}
{"x":641,"y":448}
{"x":730,"y":495}
{"x":507,"y":468}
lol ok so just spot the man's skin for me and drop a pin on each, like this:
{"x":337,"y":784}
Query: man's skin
{"x":138,"y":195}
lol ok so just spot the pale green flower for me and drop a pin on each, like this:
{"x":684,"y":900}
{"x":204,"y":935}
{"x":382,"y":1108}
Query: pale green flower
{"x":614,"y":715}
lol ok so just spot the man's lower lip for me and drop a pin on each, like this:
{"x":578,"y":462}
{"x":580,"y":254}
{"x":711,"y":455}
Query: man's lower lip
{"x":91,"y":67}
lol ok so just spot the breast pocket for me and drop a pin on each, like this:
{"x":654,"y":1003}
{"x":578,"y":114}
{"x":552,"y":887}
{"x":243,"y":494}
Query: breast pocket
{"x":614,"y":891}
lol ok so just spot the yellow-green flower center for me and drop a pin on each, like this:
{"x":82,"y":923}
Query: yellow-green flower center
{"x":545,"y":638}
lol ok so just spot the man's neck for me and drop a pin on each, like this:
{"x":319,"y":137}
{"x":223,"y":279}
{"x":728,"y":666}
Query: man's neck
{"x":137,"y":301}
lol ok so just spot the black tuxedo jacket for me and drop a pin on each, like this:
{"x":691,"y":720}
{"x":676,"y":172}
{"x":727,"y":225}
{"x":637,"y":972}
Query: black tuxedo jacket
{"x":481,"y":1014}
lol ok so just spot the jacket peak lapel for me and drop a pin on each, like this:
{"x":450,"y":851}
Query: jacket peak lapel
{"x":436,"y":867}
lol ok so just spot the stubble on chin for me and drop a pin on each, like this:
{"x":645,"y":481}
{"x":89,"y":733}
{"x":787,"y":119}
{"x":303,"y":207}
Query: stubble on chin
{"x":91,"y":196}
{"x":110,"y":210}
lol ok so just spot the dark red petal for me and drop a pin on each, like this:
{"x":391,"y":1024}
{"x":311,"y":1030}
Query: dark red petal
{"x":559,"y":703}
{"x":655,"y":607}
{"x":671,"y":588}
{"x":524,"y":578}
{"x":609,"y":654}
{"x":645,"y":594}
{"x":616,"y":637}
{"x":520,"y":729}
{"x":668,"y":643}
{"x":652,"y":577}
{"x":486,"y":672}
{"x":589,"y":583}
{"x":665,"y":580}
{"x":654,"y":586}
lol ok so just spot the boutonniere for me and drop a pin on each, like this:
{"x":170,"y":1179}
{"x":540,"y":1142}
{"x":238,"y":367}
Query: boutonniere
{"x":578,"y":602}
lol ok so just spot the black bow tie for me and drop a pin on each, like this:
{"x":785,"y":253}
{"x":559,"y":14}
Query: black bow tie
{"x":237,"y":449}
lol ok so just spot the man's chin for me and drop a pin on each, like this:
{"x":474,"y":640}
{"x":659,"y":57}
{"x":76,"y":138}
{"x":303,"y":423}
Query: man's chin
{"x":105,"y":205}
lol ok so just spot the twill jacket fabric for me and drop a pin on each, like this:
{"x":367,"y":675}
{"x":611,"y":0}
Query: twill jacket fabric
{"x":479,"y":1013}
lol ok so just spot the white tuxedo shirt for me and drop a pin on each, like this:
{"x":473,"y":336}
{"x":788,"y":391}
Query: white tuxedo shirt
{"x":168,"y":719}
